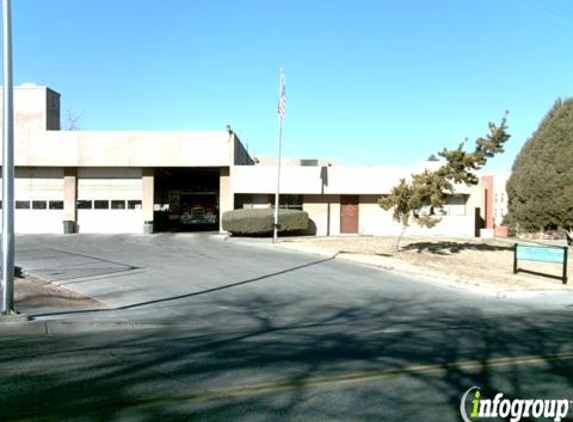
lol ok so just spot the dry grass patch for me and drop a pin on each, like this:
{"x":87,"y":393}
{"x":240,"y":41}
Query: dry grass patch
{"x":33,"y":292}
{"x":487,"y":263}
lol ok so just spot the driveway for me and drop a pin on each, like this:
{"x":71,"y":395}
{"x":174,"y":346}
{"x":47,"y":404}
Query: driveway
{"x":251,"y":334}
{"x":203,"y":279}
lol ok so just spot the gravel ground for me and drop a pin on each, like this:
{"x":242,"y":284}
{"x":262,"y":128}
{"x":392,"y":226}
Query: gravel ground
{"x":486,"y":263}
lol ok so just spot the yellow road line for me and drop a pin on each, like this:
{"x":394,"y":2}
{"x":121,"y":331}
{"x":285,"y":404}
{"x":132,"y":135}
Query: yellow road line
{"x":366,"y":376}
{"x":247,"y":390}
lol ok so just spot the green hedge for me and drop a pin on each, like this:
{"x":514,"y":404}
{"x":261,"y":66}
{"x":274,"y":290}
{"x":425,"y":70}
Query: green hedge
{"x":252,"y":222}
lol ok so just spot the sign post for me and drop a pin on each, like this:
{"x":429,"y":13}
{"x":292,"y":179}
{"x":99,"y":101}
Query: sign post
{"x":552,"y":254}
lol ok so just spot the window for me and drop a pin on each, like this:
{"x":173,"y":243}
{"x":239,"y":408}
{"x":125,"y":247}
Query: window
{"x":39,"y":205}
{"x":134,"y":204}
{"x":101,"y":204}
{"x":117,"y":205}
{"x":56,"y":205}
{"x":22,"y":205}
{"x":243,"y":201}
{"x":457,"y":205}
{"x":84,"y":205}
{"x":289,"y":202}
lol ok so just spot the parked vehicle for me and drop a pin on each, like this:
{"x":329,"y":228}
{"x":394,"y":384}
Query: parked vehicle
{"x":199,"y":208}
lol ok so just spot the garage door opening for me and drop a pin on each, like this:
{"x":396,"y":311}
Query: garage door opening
{"x":186,"y":199}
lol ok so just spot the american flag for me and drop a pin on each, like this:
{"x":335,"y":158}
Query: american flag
{"x":282,"y":96}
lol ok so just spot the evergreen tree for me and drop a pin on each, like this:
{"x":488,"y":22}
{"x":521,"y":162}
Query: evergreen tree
{"x":540,"y":188}
{"x":420,"y":197}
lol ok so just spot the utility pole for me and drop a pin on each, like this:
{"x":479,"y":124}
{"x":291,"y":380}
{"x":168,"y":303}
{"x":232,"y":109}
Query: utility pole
{"x":8,"y":169}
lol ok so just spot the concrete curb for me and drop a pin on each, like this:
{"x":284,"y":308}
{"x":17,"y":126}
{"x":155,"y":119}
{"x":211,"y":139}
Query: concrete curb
{"x":387,"y":264}
{"x":22,"y":327}
{"x":43,"y":327}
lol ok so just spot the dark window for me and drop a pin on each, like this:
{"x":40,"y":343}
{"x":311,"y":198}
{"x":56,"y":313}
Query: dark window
{"x":243,"y":201}
{"x":39,"y":205}
{"x":134,"y":205}
{"x":289,"y":202}
{"x":117,"y":205}
{"x":84,"y":205}
{"x":22,"y":205}
{"x":101,"y":204}
{"x":56,"y":205}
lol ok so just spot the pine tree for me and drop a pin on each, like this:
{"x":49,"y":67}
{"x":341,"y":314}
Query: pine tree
{"x":540,"y":188}
{"x":420,"y":197}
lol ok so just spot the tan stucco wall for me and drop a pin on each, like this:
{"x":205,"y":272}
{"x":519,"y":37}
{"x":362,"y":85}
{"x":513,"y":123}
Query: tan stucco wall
{"x":322,"y":180}
{"x":70,"y":194}
{"x":35,"y":108}
{"x":226,"y":197}
{"x":123,"y":149}
{"x":148,"y":185}
{"x":373,"y":220}
{"x":324,"y":211}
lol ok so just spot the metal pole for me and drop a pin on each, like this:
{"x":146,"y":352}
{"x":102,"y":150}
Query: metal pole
{"x":565,"y":253}
{"x":8,"y":170}
{"x":279,"y":146}
{"x":515,"y":258}
{"x":277,"y":194}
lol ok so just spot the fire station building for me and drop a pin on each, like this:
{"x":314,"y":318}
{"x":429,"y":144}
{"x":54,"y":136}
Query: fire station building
{"x":151,"y":181}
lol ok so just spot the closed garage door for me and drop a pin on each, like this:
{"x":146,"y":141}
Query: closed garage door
{"x":39,"y":200}
{"x":109,"y":201}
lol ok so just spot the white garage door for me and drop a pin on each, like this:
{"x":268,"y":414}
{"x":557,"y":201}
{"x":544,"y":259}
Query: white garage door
{"x":39,"y":200}
{"x":109,"y":201}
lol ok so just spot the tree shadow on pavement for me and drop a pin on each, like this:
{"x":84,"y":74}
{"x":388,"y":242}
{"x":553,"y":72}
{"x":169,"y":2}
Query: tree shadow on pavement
{"x":446,"y":247}
{"x":290,"y":360}
{"x":193,"y":294}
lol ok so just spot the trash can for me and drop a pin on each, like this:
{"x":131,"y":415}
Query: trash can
{"x":69,"y":226}
{"x":148,"y":227}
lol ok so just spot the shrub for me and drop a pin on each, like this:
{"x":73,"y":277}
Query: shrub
{"x":248,"y":222}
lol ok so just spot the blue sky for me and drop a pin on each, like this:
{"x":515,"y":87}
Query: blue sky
{"x":369,"y":82}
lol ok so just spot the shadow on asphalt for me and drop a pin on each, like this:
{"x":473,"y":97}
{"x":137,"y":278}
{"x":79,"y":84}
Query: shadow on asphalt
{"x":446,"y":248}
{"x":190,"y":295}
{"x":167,"y":374}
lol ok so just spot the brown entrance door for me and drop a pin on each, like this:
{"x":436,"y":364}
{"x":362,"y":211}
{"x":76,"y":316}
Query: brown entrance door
{"x":349,"y":214}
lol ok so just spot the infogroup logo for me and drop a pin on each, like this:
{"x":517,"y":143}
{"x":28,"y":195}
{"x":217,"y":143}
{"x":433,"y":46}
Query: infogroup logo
{"x":499,"y":407}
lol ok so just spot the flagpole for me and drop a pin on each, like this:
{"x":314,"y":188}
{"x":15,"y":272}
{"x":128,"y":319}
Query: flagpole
{"x":7,"y":170}
{"x":277,"y":194}
{"x":279,"y":147}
